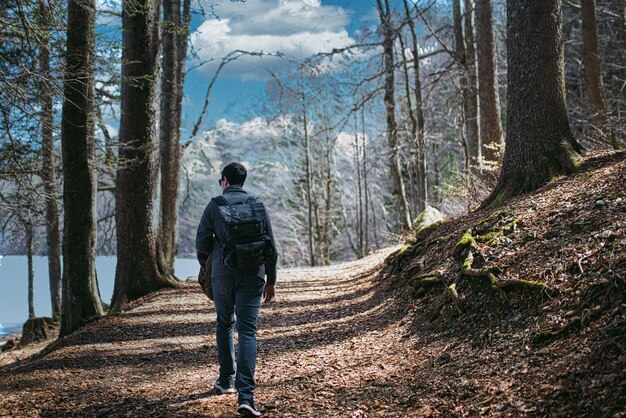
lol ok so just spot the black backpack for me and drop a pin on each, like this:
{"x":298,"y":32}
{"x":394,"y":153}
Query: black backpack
{"x":246,"y":245}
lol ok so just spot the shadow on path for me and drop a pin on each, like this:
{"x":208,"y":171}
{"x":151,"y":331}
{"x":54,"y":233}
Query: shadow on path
{"x":164,"y":348}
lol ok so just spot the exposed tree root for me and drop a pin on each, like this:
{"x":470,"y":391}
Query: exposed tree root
{"x":452,"y":295}
{"x":494,"y":228}
{"x":425,"y":282}
{"x":590,"y":296}
{"x":576,"y":324}
{"x":528,"y":285}
{"x":464,"y":254}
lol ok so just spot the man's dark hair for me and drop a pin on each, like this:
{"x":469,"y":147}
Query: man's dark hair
{"x":235,"y":173}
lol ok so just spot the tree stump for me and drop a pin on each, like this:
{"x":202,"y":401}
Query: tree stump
{"x":37,"y":329}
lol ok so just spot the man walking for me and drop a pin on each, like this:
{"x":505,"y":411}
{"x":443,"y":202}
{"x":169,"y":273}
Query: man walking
{"x":236,"y":244}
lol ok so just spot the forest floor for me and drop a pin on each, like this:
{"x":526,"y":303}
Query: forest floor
{"x":399,"y":333}
{"x":329,"y":344}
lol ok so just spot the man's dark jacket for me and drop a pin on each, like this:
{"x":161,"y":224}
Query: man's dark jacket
{"x":211,"y":232}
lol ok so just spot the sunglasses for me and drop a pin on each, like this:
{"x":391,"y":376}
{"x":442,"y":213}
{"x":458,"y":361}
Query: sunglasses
{"x":220,"y":181}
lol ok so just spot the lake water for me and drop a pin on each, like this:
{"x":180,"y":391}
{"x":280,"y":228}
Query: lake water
{"x":14,"y":286}
{"x":6,"y":329}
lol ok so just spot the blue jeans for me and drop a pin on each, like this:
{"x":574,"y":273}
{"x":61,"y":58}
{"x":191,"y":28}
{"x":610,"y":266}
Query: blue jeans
{"x":237,"y":298}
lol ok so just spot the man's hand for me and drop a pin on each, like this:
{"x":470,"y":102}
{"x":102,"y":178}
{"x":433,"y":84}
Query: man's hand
{"x":269,"y":292}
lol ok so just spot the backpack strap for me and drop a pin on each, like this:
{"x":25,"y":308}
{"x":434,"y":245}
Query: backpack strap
{"x":221,"y":201}
{"x":250,"y":201}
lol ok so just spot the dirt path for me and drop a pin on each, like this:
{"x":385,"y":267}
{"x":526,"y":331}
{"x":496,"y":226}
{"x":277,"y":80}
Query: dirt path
{"x":342,"y":342}
{"x":329,"y":346}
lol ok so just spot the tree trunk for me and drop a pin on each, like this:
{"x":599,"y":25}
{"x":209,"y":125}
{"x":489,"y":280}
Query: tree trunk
{"x":81,"y":301}
{"x":436,"y":170}
{"x":459,"y":49}
{"x":412,"y":166}
{"x":593,"y":74}
{"x":392,"y":130}
{"x":539,"y":143}
{"x":140,"y":270}
{"x":175,"y":28}
{"x":308,"y":183}
{"x":48,"y":173}
{"x":368,"y":196}
{"x":365,"y":185}
{"x":419,"y":134}
{"x":490,"y":121}
{"x":31,"y":270}
{"x":471,"y":100}
{"x":328,"y":203}
{"x":360,"y":229}
{"x":464,"y":80}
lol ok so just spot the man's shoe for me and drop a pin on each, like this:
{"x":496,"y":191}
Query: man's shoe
{"x":220,"y":390}
{"x":247,"y":408}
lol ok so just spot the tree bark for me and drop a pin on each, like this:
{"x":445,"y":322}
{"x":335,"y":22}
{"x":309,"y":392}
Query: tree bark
{"x":467,"y":121}
{"x":360,"y":229}
{"x":31,"y":270}
{"x":490,"y":121}
{"x":140,"y":270}
{"x":81,"y":300}
{"x":412,"y":166}
{"x":328,"y":200}
{"x":593,"y":74}
{"x":175,"y":28}
{"x":390,"y":110}
{"x":459,"y":49}
{"x":539,"y":142}
{"x":471,"y":100}
{"x":48,"y":173}
{"x":419,"y":134}
{"x":365,"y":185}
{"x":308,"y":182}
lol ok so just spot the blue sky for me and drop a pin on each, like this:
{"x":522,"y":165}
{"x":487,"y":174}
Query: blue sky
{"x":297,"y":28}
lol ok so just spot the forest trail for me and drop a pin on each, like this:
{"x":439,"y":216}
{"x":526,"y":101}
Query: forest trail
{"x":330,"y":345}
{"x":377,"y":338}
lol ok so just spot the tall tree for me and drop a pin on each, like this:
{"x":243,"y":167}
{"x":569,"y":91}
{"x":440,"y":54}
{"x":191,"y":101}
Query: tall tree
{"x":364,"y":170}
{"x":539,"y":143}
{"x":417,"y":121}
{"x":459,"y":51}
{"x":308,"y":181}
{"x":31,"y":271}
{"x":384,"y":11}
{"x":593,"y":74}
{"x":48,"y":173}
{"x":324,"y":230}
{"x":490,"y":121}
{"x":140,"y":270}
{"x":361,"y":228}
{"x":175,"y":30}
{"x":471,"y":100}
{"x":81,"y":298}
{"x":469,"y":129}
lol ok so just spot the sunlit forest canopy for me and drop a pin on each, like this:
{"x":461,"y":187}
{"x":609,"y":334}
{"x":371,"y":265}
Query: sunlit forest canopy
{"x":296,"y":90}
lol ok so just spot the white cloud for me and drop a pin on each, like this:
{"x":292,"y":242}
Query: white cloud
{"x":295,"y":28}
